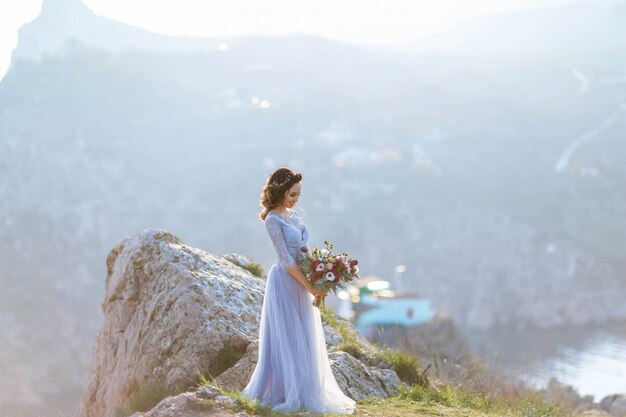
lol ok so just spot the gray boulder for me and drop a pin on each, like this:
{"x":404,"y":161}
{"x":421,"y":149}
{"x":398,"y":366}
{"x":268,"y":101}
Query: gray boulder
{"x":205,"y":401}
{"x":359,"y":381}
{"x":618,"y":408}
{"x":607,"y":402}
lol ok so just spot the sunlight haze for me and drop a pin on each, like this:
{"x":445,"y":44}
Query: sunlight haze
{"x":358,"y":22}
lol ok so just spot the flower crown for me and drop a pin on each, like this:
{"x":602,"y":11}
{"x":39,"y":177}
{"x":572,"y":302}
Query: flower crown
{"x":276,"y":183}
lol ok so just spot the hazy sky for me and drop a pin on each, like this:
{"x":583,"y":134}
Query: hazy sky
{"x":370,"y":22}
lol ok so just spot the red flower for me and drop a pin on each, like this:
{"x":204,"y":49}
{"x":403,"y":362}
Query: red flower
{"x":353,"y":262}
{"x":315,"y":276}
{"x":304,"y":249}
{"x":337,"y":276}
{"x":315,"y":263}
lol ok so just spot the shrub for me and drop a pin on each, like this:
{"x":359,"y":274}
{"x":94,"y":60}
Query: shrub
{"x":407,"y":366}
{"x":254,"y":268}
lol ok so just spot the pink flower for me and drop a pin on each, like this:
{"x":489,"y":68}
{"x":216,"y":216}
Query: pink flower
{"x":319,"y":267}
{"x":329,"y":266}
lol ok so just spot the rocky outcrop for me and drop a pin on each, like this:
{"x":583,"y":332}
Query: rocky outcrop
{"x":611,"y":405}
{"x":618,"y":408}
{"x":358,"y":380}
{"x":173,"y":312}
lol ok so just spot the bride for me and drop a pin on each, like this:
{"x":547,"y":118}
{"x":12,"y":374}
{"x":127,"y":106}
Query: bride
{"x":293,"y":370}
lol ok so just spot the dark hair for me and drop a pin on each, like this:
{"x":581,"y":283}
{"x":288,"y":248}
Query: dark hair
{"x":277,"y":184}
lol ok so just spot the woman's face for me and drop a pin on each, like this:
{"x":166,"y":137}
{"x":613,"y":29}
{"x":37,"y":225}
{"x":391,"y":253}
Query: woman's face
{"x":292,"y":195}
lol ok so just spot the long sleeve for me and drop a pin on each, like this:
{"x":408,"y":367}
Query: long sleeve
{"x":274,"y":229}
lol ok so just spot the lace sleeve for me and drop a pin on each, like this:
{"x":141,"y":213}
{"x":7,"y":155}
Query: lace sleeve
{"x":274,"y":229}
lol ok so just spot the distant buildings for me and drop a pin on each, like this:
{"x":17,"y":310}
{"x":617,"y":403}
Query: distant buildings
{"x":372,"y":305}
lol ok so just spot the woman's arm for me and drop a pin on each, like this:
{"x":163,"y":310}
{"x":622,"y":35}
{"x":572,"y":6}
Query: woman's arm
{"x":295,"y":272}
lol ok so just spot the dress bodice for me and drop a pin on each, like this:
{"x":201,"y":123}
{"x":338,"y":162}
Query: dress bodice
{"x":288,"y":234}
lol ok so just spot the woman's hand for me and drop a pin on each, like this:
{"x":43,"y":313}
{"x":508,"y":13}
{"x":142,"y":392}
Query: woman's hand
{"x":320,"y":295}
{"x":316,"y":291}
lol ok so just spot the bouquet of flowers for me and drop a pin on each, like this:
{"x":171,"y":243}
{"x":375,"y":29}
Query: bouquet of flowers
{"x":327,"y":271}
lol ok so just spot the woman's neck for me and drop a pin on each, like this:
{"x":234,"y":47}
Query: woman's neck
{"x":282,"y":211}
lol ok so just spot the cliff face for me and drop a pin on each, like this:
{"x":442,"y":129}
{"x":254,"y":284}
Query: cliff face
{"x":172,"y":310}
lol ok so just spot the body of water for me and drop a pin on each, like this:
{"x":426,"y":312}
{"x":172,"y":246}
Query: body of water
{"x":590,"y":358}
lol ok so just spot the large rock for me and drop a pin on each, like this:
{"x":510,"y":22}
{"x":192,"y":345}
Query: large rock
{"x":168,"y":309}
{"x":173,"y":311}
{"x":203,"y":402}
{"x":237,"y":376}
{"x":359,"y":381}
{"x":618,"y":408}
{"x":608,"y":401}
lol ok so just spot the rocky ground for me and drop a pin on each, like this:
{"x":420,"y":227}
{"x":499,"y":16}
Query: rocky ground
{"x":180,"y":339}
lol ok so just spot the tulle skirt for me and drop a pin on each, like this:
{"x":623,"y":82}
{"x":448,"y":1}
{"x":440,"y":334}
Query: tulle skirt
{"x":293,"y":370}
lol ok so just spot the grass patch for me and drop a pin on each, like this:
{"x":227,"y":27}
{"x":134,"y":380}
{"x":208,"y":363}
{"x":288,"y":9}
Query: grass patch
{"x":144,"y":398}
{"x":254,"y":268}
{"x":533,"y":403}
{"x":249,"y":406}
{"x":443,"y":395}
{"x":528,"y":403}
{"x":407,"y":366}
{"x":406,"y":407}
{"x":354,"y":349}
{"x":243,"y":403}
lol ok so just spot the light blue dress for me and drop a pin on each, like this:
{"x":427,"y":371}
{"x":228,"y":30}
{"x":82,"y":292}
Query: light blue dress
{"x":293,"y":370}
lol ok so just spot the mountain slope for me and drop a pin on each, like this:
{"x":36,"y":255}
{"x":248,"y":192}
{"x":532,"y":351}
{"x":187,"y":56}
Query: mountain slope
{"x":63,"y":21}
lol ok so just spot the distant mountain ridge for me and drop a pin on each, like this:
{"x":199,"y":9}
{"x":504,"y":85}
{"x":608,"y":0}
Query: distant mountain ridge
{"x":61,"y":21}
{"x":583,"y":24}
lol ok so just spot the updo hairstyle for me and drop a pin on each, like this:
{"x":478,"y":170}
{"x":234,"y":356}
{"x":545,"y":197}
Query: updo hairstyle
{"x":275,"y":188}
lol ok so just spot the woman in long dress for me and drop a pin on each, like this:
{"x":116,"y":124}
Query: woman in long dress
{"x":293,"y":370}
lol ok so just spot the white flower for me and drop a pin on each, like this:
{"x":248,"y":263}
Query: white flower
{"x":319,"y":267}
{"x":329,"y":266}
{"x":356,"y":269}
{"x":330,"y":276}
{"x":324,"y":252}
